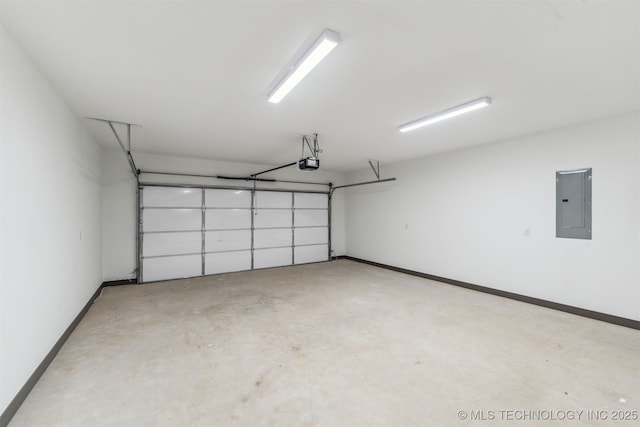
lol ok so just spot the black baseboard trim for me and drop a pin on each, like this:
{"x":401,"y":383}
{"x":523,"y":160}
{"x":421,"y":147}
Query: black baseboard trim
{"x":19,"y":398}
{"x":120,"y":282}
{"x":621,"y":321}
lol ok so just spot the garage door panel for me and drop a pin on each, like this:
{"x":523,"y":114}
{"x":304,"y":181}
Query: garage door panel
{"x":311,"y":236}
{"x":310,"y":201}
{"x":166,"y":197}
{"x":307,"y":254}
{"x":264,"y":258}
{"x":171,"y":219}
{"x":273,"y":199}
{"x":171,"y":267}
{"x":266,"y":218}
{"x":305,"y":218}
{"x":227,"y":240}
{"x":220,"y":219}
{"x":155,"y":244}
{"x":271,"y":238}
{"x":226,"y":262}
{"x":227,"y":198}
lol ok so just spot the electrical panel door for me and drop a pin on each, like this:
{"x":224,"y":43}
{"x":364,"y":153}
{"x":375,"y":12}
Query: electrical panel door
{"x":573,"y":204}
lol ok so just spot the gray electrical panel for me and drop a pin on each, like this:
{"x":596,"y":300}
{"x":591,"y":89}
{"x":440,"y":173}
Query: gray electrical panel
{"x":573,"y":204}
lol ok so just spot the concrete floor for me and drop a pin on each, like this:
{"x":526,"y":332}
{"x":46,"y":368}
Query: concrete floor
{"x":332,"y":344}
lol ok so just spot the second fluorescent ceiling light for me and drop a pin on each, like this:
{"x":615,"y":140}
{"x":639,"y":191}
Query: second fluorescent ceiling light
{"x":446,"y":114}
{"x":327,"y":41}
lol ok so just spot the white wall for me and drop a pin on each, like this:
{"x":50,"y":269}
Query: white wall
{"x":463,"y":215}
{"x":50,"y":232}
{"x":119,"y":198}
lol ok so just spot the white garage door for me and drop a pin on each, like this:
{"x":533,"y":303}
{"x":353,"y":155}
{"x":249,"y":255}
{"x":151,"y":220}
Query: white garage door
{"x":189,"y":232}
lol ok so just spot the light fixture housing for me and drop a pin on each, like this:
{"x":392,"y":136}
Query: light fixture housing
{"x":324,"y":44}
{"x":476,"y":104}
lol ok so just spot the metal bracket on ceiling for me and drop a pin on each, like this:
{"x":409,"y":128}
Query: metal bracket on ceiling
{"x":127,"y":150}
{"x":376,"y":171}
{"x":376,"y":168}
{"x":315,"y":148}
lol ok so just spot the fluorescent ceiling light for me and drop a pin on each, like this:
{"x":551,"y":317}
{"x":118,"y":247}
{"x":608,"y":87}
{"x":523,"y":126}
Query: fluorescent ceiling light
{"x":318,"y":50}
{"x":446,"y":114}
{"x":571,"y":172}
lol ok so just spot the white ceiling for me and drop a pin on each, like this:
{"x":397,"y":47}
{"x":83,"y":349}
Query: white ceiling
{"x":195,"y":75}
